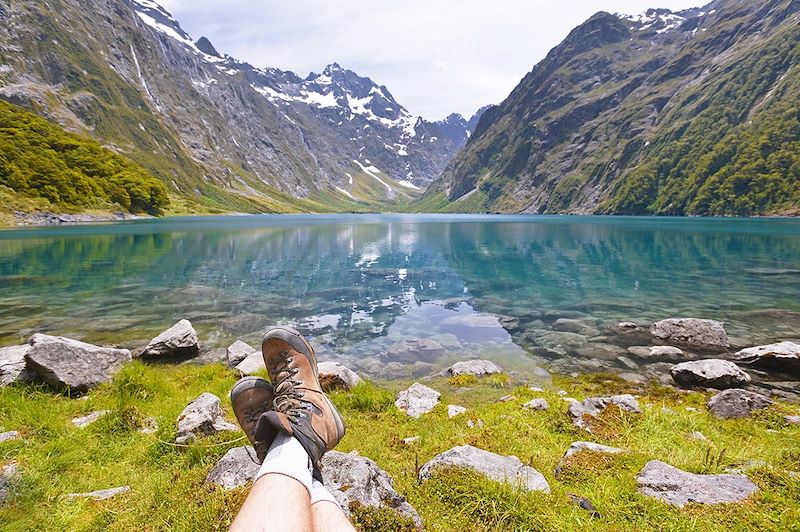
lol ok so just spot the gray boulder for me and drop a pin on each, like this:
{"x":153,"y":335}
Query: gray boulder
{"x":736,"y":403}
{"x":413,"y":350}
{"x":237,"y":352}
{"x":253,"y":363}
{"x":202,"y":417}
{"x":658,"y":352}
{"x":693,"y":333}
{"x":357,"y":481}
{"x":594,"y":406}
{"x":507,"y":469}
{"x":783,"y":356}
{"x":678,"y":488}
{"x":12,"y":364}
{"x":417,"y":400}
{"x":9,"y":476}
{"x":580,"y":446}
{"x":335,"y":376}
{"x":537,"y":404}
{"x":99,"y":495}
{"x":473,"y":367}
{"x":66,"y":363}
{"x":88,"y":419}
{"x":180,"y":340}
{"x":235,"y":469}
{"x":709,"y":373}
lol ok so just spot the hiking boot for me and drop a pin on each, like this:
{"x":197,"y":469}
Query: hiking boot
{"x":251,"y":397}
{"x":300,"y":408}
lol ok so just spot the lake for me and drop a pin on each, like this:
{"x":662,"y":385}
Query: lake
{"x":399,"y":296}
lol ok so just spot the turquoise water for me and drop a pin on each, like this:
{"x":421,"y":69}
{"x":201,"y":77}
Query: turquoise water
{"x":363,"y":286}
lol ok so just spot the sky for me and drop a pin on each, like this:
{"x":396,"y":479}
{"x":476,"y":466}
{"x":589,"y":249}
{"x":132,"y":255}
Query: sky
{"x":435,"y":56}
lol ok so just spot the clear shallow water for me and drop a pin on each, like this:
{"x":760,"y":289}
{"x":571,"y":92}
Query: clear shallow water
{"x":364,"y":286}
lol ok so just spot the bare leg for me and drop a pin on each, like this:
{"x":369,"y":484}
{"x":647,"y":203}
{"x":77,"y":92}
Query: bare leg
{"x":328,"y":517}
{"x":275,"y":503}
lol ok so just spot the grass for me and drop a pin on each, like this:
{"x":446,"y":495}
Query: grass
{"x":168,"y":490}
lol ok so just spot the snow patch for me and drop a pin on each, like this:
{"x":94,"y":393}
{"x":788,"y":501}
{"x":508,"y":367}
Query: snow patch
{"x":373,"y":172}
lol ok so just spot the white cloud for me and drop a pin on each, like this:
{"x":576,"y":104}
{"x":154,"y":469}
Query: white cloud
{"x":435,"y":56}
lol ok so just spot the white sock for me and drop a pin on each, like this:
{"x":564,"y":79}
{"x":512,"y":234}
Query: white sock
{"x":320,"y":493}
{"x":287,"y":457}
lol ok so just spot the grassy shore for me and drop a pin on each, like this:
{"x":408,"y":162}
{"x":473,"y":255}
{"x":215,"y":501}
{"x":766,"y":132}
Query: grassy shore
{"x":168,"y":490}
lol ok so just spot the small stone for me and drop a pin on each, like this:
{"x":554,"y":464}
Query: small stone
{"x":99,"y":495}
{"x":665,"y":352}
{"x":535,"y":389}
{"x":594,"y":406}
{"x":478,"y":368}
{"x":411,"y":439}
{"x":507,"y":398}
{"x":235,"y":469}
{"x":698,"y":436}
{"x":693,"y":333}
{"x":12,"y":364}
{"x":479,"y":423}
{"x":178,"y":341}
{"x":11,"y":435}
{"x":335,"y":376}
{"x":626,"y":325}
{"x":711,"y":373}
{"x":9,"y":476}
{"x":792,"y":420}
{"x":454,"y":410}
{"x":238,"y":351}
{"x":691,"y":409}
{"x":202,"y":417}
{"x":562,"y":393}
{"x":505,"y":469}
{"x":417,"y":400}
{"x":88,"y":419}
{"x":580,"y":446}
{"x":678,"y":488}
{"x":536,"y":404}
{"x":252,"y":364}
{"x":735,"y":403}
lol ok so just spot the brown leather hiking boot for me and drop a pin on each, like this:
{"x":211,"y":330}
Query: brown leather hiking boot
{"x":300,"y":408}
{"x":251,"y":397}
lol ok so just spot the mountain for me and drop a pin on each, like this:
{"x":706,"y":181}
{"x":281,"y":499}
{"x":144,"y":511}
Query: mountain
{"x":689,"y":112}
{"x":222,"y":134}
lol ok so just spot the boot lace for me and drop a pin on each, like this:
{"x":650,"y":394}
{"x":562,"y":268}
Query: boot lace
{"x":288,"y":394}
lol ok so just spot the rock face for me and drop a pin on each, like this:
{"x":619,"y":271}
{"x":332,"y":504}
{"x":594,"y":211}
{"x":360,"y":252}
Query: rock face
{"x":594,"y":406}
{"x":178,"y":341}
{"x":235,"y":469}
{"x":12,"y":364}
{"x":709,"y":373}
{"x":88,"y":419}
{"x":418,"y":399}
{"x":692,"y":333}
{"x":333,"y":376}
{"x":678,"y":488}
{"x":508,"y":469}
{"x":9,"y":475}
{"x":253,"y":363}
{"x":474,"y":367}
{"x":202,"y":417}
{"x":537,"y":404}
{"x":238,"y":351}
{"x":99,"y":495}
{"x":735,"y":403}
{"x":783,"y":356}
{"x":357,"y":481}
{"x":66,"y":363}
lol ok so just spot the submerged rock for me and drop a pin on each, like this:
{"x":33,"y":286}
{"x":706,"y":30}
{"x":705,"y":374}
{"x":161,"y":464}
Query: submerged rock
{"x":335,"y":376}
{"x":99,"y":495}
{"x":66,"y":363}
{"x":506,"y":469}
{"x":358,"y":481}
{"x":709,"y":373}
{"x":202,"y":417}
{"x":413,"y":350}
{"x":417,"y":400}
{"x":474,"y":367}
{"x":782,"y":356}
{"x":13,"y":365}
{"x":180,"y":340}
{"x":736,"y":403}
{"x":235,"y":469}
{"x":237,"y":352}
{"x":594,"y":406}
{"x":658,"y":352}
{"x":693,"y":333}
{"x":678,"y":488}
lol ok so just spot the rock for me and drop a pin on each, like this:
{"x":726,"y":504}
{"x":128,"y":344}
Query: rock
{"x":783,"y":357}
{"x":358,"y":481}
{"x":507,"y":399}
{"x":99,"y":495}
{"x":574,"y":326}
{"x":412,"y":439}
{"x":235,"y":469}
{"x":9,"y":476}
{"x":454,"y":410}
{"x":594,"y":406}
{"x":417,"y":400}
{"x":792,"y":420}
{"x":180,"y":340}
{"x":506,"y":469}
{"x":698,"y":436}
{"x":599,"y":350}
{"x":11,"y":435}
{"x":253,"y":363}
{"x":66,"y":363}
{"x":633,"y":378}
{"x":202,"y":417}
{"x":536,"y":404}
{"x":735,"y":403}
{"x":626,"y":325}
{"x":478,"y":423}
{"x":627,"y":362}
{"x":335,"y":376}
{"x":238,"y":351}
{"x":579,"y":446}
{"x":12,"y":364}
{"x":88,"y":419}
{"x":414,"y":350}
{"x":535,"y":389}
{"x":678,"y":488}
{"x":474,"y":367}
{"x":508,"y":323}
{"x":709,"y":373}
{"x":693,"y":333}
{"x":659,"y":352}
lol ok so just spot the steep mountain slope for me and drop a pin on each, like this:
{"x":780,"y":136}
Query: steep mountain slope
{"x":221,"y":134}
{"x":693,"y":112}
